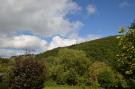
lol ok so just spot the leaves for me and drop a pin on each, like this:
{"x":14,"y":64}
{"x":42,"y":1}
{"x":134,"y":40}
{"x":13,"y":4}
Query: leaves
{"x":68,"y":66}
{"x":27,"y":74}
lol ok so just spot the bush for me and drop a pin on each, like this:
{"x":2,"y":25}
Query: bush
{"x":4,"y":83}
{"x":71,"y":77}
{"x":68,"y":66}
{"x":27,"y":74}
{"x":104,"y":76}
{"x":108,"y":79}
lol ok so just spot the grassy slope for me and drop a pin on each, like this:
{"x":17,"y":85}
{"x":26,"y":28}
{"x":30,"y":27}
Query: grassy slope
{"x":100,"y":49}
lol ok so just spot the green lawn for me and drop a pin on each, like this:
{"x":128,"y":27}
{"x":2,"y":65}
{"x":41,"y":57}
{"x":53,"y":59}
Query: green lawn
{"x":64,"y":87}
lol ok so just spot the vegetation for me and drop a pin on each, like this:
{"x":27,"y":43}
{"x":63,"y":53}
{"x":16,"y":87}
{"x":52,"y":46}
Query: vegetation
{"x":27,"y":74}
{"x":75,"y":65}
{"x":104,"y":49}
{"x":4,"y":65}
{"x":69,"y":67}
{"x":102,"y":75}
{"x":126,"y":56}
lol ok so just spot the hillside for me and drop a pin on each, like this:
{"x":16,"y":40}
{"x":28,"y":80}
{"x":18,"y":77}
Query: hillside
{"x":69,"y":66}
{"x":100,"y":49}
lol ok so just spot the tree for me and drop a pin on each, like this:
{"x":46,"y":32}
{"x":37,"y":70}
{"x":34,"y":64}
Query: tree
{"x":27,"y":74}
{"x":126,"y":56}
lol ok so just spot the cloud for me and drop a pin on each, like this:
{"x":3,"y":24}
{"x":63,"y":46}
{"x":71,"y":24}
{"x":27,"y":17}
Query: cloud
{"x":91,"y":9}
{"x":124,"y":4}
{"x":41,"y":17}
{"x":23,"y":42}
{"x":46,"y":18}
{"x":80,"y":39}
{"x":17,"y":45}
{"x":58,"y":41}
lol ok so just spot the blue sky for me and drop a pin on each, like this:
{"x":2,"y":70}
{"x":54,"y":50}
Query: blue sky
{"x":41,"y":26}
{"x":109,"y":16}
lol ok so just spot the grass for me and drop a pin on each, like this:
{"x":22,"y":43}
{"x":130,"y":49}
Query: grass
{"x":65,"y":87}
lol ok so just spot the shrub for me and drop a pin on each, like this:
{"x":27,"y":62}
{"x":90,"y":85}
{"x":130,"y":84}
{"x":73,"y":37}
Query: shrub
{"x":27,"y":74}
{"x":5,"y":82}
{"x":68,"y":66}
{"x":71,"y":77}
{"x":104,"y":76}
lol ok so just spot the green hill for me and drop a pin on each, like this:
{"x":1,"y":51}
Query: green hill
{"x":101,"y":49}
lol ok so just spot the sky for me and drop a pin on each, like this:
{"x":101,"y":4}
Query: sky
{"x":41,"y":25}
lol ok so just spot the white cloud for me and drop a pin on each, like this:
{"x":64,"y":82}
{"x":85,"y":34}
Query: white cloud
{"x":17,"y":45}
{"x":46,"y":17}
{"x":91,"y":9}
{"x":42,"y":18}
{"x":58,"y":41}
{"x":23,"y":42}
{"x":80,"y":39}
{"x":124,"y":4}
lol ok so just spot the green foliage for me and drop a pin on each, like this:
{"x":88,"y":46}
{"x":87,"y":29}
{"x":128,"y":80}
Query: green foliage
{"x":126,"y":56}
{"x":127,"y":53}
{"x":4,"y":84}
{"x":72,"y":77}
{"x":4,"y":65}
{"x":68,"y":66}
{"x":109,"y":79}
{"x":4,"y":68}
{"x":4,"y":61}
{"x":104,"y":49}
{"x":27,"y":74}
{"x":68,"y":87}
{"x":102,"y":75}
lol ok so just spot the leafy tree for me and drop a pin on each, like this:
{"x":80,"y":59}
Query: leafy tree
{"x":27,"y":74}
{"x":126,"y":56}
{"x":127,"y":52}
